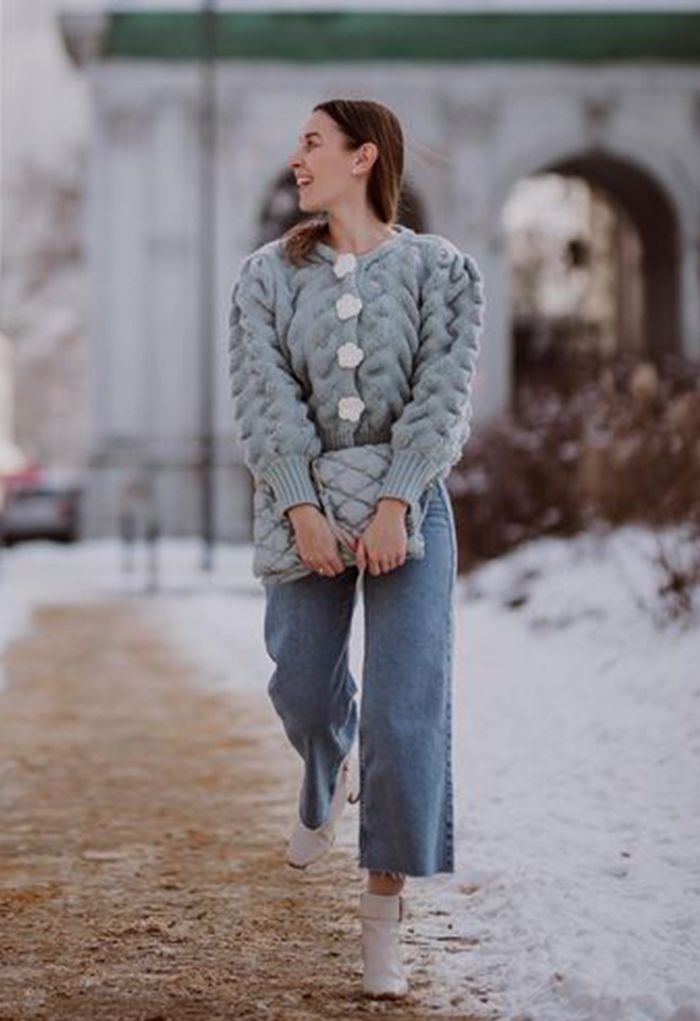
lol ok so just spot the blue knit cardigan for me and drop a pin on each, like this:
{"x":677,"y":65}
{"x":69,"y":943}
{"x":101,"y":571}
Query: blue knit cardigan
{"x":351,"y":349}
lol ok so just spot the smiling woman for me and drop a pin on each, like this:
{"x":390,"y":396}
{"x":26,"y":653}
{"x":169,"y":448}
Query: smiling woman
{"x":336,"y":157}
{"x":353,"y":344}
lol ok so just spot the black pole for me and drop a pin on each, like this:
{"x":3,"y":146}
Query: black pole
{"x":207,"y":281}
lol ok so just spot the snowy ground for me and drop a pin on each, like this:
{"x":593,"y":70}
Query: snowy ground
{"x":577,"y":758}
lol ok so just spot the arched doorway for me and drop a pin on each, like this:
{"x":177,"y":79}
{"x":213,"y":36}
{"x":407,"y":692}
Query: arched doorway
{"x":594,"y":252}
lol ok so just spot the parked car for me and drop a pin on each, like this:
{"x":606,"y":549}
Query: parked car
{"x":46,"y":506}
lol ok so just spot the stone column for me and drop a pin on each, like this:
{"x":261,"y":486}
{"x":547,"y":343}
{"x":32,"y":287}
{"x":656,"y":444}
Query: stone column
{"x":690,"y":289}
{"x":476,"y":227}
{"x":237,"y":183}
{"x":114,"y":218}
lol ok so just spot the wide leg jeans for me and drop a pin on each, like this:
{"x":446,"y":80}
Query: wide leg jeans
{"x":405,"y":716}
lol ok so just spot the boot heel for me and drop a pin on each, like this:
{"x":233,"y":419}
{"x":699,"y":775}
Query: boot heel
{"x":353,"y":778}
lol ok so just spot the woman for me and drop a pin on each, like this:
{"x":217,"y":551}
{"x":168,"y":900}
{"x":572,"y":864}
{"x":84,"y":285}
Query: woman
{"x":352,"y":329}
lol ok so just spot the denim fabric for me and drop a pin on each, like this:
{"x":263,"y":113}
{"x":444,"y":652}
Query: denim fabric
{"x":405,"y":714}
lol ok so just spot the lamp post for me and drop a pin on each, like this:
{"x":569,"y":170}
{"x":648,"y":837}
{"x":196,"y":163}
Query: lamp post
{"x":207,"y":275}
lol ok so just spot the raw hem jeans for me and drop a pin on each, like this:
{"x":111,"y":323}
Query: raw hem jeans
{"x":405,"y":718}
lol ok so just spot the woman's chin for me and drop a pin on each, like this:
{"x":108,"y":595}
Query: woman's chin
{"x":307,"y":204}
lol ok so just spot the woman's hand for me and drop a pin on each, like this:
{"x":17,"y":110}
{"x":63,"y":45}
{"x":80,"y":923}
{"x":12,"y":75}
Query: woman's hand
{"x":317,"y":545}
{"x":382,"y":545}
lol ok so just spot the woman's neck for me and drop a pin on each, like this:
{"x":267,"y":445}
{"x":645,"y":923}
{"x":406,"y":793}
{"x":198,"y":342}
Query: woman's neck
{"x":358,"y":241}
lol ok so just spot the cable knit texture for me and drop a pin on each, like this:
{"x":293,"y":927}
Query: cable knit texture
{"x":346,"y":350}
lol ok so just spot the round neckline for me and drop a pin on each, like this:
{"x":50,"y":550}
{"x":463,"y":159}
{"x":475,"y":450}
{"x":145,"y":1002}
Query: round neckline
{"x":332,"y":255}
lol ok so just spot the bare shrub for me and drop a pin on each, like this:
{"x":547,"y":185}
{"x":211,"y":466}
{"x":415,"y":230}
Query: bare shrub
{"x":677,"y":563}
{"x":622,"y":446}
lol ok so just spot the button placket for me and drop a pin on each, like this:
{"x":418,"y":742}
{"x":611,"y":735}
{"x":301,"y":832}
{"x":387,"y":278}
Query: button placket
{"x":349,"y":354}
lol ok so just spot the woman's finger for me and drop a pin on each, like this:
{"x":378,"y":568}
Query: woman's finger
{"x":349,"y":540}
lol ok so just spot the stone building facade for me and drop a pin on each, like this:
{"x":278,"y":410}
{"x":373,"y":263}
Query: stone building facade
{"x":486,"y":101}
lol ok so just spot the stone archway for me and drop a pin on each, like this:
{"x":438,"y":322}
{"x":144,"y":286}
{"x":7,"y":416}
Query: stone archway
{"x":628,"y":252}
{"x":650,"y":209}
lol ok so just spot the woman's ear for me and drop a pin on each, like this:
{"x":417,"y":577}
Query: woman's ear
{"x":365,"y":158}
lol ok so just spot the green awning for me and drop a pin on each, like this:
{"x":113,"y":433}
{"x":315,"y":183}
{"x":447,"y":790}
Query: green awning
{"x":322,"y":36}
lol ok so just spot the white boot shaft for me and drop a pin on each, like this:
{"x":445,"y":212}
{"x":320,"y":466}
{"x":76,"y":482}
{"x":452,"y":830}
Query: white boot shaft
{"x":381,"y":915}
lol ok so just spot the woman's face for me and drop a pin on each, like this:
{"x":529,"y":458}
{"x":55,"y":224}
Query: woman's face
{"x":321,"y":160}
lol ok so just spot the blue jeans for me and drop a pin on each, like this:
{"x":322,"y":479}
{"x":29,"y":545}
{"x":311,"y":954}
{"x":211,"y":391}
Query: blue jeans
{"x":405,"y":719}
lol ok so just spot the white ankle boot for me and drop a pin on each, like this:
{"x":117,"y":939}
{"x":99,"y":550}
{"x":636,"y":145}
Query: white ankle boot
{"x":384,"y":976}
{"x":307,"y":845}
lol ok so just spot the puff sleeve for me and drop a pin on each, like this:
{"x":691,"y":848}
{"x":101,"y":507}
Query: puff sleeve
{"x":274,"y":426}
{"x":428,"y":436}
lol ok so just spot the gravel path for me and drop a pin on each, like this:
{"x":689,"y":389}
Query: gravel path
{"x":141,"y":847}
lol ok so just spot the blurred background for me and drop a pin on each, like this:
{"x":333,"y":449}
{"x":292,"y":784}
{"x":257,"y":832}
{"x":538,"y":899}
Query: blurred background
{"x":143,"y":156}
{"x":144,"y":773}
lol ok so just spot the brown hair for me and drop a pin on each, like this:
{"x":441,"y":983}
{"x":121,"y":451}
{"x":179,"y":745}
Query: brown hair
{"x":360,"y":120}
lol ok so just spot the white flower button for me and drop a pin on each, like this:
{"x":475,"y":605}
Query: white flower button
{"x":344,"y":264}
{"x":348,"y":305}
{"x":350,"y":408}
{"x":350,"y":355}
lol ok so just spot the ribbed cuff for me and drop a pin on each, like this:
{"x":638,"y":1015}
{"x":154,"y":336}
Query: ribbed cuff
{"x":408,"y":475}
{"x":291,"y":481}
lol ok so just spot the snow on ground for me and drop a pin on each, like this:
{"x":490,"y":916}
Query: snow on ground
{"x":577,"y":758}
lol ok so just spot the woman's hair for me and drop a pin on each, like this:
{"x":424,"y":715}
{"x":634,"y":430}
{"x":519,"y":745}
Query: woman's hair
{"x":360,"y":120}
